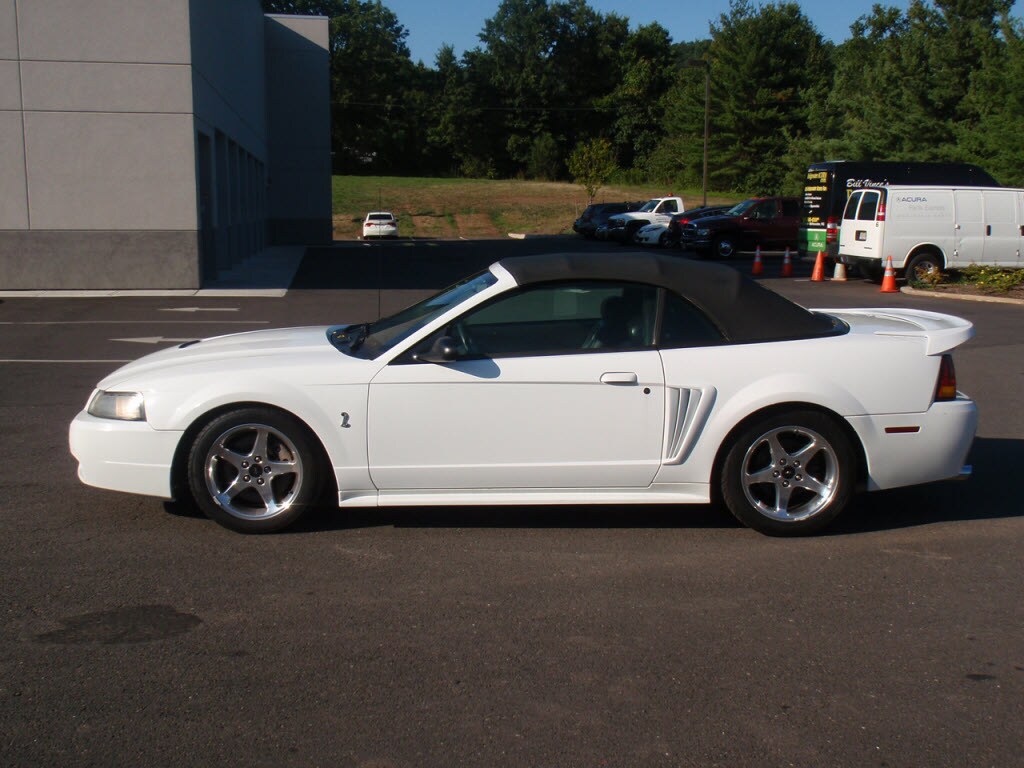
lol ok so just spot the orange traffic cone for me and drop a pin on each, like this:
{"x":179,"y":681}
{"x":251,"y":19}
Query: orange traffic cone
{"x":889,"y":278}
{"x":818,"y":275}
{"x":840,"y":272}
{"x":758,"y":266}
{"x":787,"y":265}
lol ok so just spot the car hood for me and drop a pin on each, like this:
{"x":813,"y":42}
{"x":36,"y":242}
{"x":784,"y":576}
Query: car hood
{"x":710,"y":222}
{"x":284,"y":346}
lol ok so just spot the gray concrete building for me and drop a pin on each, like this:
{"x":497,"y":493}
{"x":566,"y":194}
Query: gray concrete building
{"x":157,"y":143}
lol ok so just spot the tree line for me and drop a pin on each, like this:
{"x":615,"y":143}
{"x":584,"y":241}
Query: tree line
{"x":939,"y":81}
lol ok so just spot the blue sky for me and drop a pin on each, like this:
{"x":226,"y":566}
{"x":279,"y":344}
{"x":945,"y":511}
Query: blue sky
{"x":432,"y":23}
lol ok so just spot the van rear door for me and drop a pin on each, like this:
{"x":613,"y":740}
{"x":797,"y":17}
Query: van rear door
{"x":861,"y":232}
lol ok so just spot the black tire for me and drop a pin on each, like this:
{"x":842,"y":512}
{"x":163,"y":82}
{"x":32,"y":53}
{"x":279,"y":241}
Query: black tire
{"x":923,"y":264}
{"x":873,"y":272}
{"x":770,"y":486}
{"x":268,"y":459}
{"x":631,"y":230}
{"x":724,"y":248}
{"x":663,"y":240}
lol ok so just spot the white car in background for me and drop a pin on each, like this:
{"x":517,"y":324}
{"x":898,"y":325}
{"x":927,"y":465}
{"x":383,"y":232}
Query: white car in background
{"x":380,"y":224}
{"x":652,"y":234}
{"x":588,"y":378}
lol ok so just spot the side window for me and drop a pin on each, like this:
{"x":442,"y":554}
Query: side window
{"x":790,"y":208}
{"x":669,"y":206}
{"x":850,"y":212}
{"x":765,"y":210}
{"x":559,"y":318}
{"x":868,"y":206}
{"x":683,"y":325}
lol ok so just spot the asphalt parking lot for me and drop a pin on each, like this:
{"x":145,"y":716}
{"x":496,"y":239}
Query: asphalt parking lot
{"x":138,"y":633}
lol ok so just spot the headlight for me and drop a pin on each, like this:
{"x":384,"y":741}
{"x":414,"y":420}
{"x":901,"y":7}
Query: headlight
{"x":126,"y":406}
{"x":703,"y":232}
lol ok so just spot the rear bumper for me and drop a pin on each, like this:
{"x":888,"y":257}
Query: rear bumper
{"x":936,"y":451}
{"x":125,"y":456}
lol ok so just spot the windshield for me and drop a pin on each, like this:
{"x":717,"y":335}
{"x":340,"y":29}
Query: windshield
{"x":374,"y":339}
{"x":650,"y":205}
{"x":740,"y":208}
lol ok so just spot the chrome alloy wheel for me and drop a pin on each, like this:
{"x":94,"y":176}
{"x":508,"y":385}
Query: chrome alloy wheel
{"x":253,"y":472}
{"x":790,"y":473}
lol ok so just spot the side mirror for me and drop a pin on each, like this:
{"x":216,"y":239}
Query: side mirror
{"x":443,"y":350}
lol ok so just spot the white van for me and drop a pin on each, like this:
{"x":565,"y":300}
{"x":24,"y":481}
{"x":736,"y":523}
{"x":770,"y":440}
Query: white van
{"x":925,"y":228}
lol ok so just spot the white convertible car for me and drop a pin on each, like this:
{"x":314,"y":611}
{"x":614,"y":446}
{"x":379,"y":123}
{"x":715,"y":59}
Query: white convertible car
{"x":559,"y":379}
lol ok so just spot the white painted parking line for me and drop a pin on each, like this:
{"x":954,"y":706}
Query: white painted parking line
{"x":134,"y":322}
{"x":199,"y":309}
{"x":28,"y":360}
{"x":155,"y":339}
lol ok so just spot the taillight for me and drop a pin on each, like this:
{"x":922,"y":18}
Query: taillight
{"x":880,"y":216}
{"x":946,"y":387}
{"x":832,"y":230}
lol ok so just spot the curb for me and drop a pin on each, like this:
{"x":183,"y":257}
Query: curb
{"x":961,"y":296}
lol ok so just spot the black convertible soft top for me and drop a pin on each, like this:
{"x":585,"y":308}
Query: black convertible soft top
{"x":744,"y":310}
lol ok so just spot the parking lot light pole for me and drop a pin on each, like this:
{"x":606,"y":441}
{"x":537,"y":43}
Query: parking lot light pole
{"x":706,"y":66}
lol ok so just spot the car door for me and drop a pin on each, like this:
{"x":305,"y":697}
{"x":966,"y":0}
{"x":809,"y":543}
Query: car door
{"x":554,"y":386}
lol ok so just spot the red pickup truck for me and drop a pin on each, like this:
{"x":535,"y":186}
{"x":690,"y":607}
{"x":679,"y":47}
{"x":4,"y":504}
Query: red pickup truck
{"x":769,"y":222}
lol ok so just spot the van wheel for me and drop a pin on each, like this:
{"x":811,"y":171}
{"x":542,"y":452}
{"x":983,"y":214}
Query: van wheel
{"x":924,"y":265}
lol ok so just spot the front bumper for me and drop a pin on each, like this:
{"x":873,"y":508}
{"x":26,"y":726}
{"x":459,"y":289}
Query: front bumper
{"x":936,"y":451}
{"x":127,"y":456}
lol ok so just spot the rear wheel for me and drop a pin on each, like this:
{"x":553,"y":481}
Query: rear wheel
{"x":923,"y":265}
{"x":789,"y":474}
{"x":254,"y":470}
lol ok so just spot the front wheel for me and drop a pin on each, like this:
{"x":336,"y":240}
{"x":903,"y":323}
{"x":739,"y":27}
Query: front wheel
{"x":725,"y":248}
{"x":254,"y":470}
{"x":789,"y":474}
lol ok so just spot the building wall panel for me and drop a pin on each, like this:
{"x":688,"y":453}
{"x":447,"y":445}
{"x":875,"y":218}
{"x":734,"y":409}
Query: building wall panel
{"x":91,"y":87}
{"x":111,"y":171}
{"x":129,"y":31}
{"x":8,"y":30}
{"x":13,"y":205}
{"x":10,"y":86}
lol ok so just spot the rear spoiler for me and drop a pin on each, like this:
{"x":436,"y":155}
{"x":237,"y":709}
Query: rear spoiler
{"x":941,"y":332}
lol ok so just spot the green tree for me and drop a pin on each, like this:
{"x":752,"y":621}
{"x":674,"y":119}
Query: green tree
{"x":591,"y":164}
{"x":765,"y":64}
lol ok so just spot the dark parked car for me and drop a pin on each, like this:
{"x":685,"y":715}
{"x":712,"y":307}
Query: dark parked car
{"x":674,"y":233}
{"x":769,"y":222}
{"x":597,"y":214}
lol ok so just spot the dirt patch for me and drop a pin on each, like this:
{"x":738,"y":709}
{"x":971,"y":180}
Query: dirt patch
{"x":433,"y":227}
{"x":476,"y":225}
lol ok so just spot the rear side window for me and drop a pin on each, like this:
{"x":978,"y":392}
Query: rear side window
{"x":683,"y":325}
{"x":851,"y":206}
{"x":790,"y":208}
{"x":868,"y":206}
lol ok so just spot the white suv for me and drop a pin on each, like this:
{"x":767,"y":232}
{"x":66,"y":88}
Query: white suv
{"x":380,"y":224}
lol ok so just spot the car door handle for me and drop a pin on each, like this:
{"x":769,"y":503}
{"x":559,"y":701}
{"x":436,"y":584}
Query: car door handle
{"x":988,"y":230}
{"x":616,"y":377}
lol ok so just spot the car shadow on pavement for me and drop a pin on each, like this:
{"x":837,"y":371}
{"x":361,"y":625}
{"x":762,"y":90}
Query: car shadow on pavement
{"x":986,"y":495}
